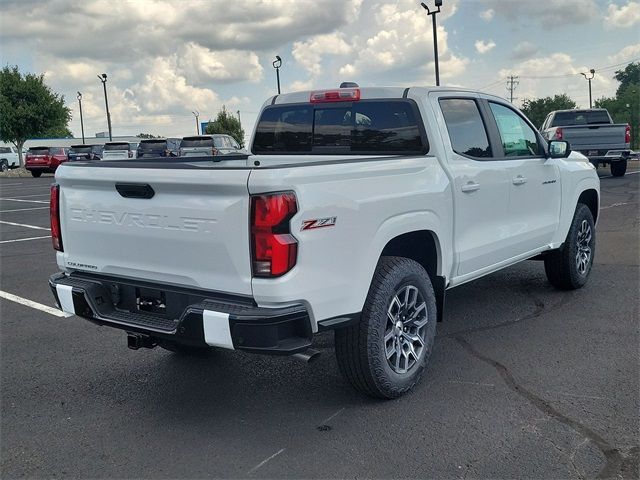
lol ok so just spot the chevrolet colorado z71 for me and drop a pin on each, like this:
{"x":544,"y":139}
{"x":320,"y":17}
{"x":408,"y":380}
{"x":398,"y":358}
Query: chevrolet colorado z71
{"x":354,"y":211}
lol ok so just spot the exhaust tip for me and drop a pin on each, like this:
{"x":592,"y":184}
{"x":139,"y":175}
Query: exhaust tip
{"x":307,"y":356}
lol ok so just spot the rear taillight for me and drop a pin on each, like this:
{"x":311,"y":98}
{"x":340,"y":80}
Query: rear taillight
{"x":340,"y":95}
{"x":558,"y":133}
{"x":627,"y":134}
{"x":54,"y":215}
{"x":274,"y":250}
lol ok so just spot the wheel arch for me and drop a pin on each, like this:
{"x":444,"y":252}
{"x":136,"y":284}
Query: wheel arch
{"x":590,"y":198}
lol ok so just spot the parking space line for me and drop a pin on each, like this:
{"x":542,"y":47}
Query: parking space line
{"x":24,"y":239}
{"x":29,"y":196}
{"x":25,"y":201}
{"x":262,"y":463}
{"x":24,"y":225}
{"x":23,"y":209}
{"x":32,"y":304}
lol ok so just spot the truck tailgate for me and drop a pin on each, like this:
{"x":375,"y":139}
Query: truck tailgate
{"x":193,"y":231}
{"x":595,"y":136}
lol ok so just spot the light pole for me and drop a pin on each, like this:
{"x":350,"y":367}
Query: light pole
{"x":103,"y":79}
{"x":197,"y":115}
{"x":238,"y":112}
{"x":277,"y":63}
{"x":593,"y":73}
{"x":435,"y":36}
{"x":81,"y":121}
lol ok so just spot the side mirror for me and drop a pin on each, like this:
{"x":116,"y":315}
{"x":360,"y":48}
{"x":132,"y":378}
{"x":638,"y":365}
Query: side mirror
{"x":559,"y":149}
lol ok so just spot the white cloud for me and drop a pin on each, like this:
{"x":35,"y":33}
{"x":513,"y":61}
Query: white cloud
{"x":483,"y":46}
{"x":309,"y":52}
{"x":202,"y":65}
{"x":548,"y":14}
{"x":624,"y":16}
{"x":487,"y":15}
{"x":524,"y":50}
{"x":626,"y":54}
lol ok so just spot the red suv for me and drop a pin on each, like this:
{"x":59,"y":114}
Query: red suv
{"x":41,"y":160}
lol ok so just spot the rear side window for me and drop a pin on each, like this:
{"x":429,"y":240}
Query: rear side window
{"x":196,"y":142}
{"x":580,"y":117}
{"x":466,"y":128}
{"x":5,"y":150}
{"x":219,"y":142}
{"x":365,"y":127}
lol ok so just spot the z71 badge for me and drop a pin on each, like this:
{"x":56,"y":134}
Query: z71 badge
{"x":318,"y":223}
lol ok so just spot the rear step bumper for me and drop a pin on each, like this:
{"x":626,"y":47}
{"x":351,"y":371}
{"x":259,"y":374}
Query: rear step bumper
{"x":190,"y":317}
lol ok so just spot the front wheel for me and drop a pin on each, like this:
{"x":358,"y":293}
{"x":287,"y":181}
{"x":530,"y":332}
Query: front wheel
{"x":568,"y":268}
{"x":4,"y":166}
{"x":619,"y":168}
{"x":35,"y":174}
{"x":385,"y":354}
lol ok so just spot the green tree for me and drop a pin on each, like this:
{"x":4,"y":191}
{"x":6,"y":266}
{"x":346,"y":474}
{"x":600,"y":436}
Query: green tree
{"x":29,"y":108}
{"x":630,"y":75}
{"x":625,"y":108}
{"x":537,"y":109}
{"x":227,"y":123}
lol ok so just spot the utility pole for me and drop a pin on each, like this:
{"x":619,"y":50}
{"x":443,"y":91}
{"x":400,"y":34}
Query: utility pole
{"x":197,"y":115}
{"x":511,"y":86}
{"x":103,"y":79}
{"x":435,"y":36}
{"x":593,"y":74}
{"x":81,"y":121}
{"x":238,"y":112}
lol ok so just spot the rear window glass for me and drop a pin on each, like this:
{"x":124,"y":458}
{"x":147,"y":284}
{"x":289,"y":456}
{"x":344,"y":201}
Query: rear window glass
{"x":152,"y":144}
{"x":580,"y":118}
{"x":359,"y":127}
{"x":57,"y":151}
{"x":39,"y":150}
{"x":117,"y":146}
{"x":197,"y":142}
{"x":81,"y":149}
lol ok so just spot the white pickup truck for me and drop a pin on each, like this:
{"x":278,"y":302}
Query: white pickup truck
{"x":355,"y":211}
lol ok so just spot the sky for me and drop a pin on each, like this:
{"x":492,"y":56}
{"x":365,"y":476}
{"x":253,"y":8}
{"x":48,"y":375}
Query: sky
{"x":167,"y":58}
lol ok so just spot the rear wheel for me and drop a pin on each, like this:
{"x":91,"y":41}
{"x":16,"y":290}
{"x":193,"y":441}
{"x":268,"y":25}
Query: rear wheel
{"x":619,"y":168}
{"x":385,"y":354}
{"x":35,"y":174}
{"x":4,"y":165}
{"x":568,"y":268}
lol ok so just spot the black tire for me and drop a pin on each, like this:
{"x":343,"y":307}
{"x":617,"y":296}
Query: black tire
{"x":619,"y":168}
{"x":362,"y":349}
{"x":4,"y":165}
{"x":35,"y":174}
{"x":564,"y":266}
{"x":181,"y":349}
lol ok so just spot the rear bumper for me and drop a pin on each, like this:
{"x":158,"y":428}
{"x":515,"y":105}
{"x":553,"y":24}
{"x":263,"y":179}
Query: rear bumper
{"x":41,"y":168}
{"x":607,"y":155}
{"x":195,"y":318}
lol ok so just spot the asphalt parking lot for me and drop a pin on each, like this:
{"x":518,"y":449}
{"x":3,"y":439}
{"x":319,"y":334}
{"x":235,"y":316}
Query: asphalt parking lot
{"x":525,"y":381}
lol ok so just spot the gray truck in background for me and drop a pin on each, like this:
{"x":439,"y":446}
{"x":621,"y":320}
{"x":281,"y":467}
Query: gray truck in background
{"x":592,"y":133}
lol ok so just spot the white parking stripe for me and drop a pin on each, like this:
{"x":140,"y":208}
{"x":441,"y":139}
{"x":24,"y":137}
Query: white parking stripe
{"x":29,"y":196}
{"x":32,"y":304}
{"x":25,"y":201}
{"x":24,"y":225}
{"x":24,"y":239}
{"x":26,"y":209}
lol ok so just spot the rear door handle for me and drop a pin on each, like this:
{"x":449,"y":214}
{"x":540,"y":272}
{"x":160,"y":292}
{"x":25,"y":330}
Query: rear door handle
{"x":470,"y":187}
{"x":519,"y":180}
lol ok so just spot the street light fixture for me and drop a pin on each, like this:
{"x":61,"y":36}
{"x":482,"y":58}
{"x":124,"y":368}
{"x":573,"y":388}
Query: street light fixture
{"x":103,"y":79}
{"x":197,"y":115}
{"x":81,"y":121}
{"x":435,"y":36}
{"x":593,"y":73}
{"x":277,"y":63}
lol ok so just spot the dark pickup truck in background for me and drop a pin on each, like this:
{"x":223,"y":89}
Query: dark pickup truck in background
{"x":592,"y":133}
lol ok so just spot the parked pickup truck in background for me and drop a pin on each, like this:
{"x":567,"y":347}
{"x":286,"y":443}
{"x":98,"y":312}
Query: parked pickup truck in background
{"x":355,"y":211}
{"x":8,"y":158}
{"x":593,"y":133}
